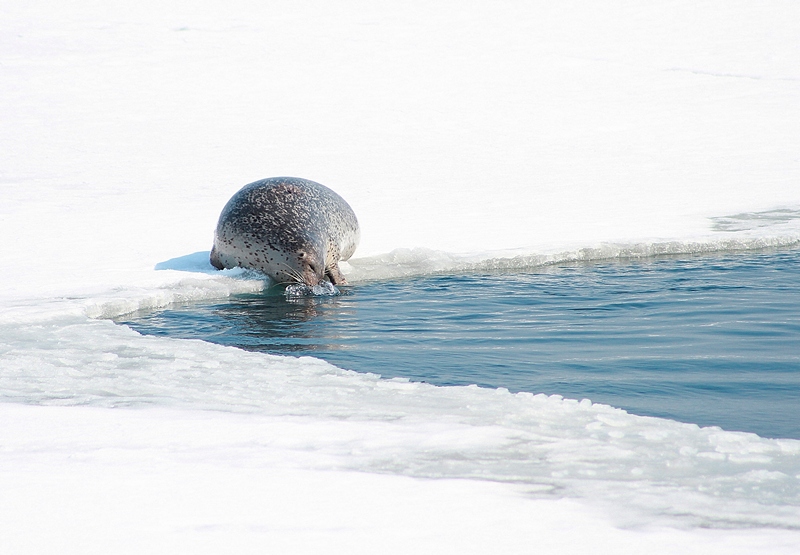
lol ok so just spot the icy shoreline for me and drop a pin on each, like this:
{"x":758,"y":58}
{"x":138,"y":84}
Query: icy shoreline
{"x":96,"y":480}
{"x":574,"y":448}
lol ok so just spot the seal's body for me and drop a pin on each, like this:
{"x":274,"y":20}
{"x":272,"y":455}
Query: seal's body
{"x":292,"y":229}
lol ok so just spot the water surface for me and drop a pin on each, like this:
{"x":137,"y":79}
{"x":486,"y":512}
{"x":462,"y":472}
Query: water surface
{"x":713,"y":339}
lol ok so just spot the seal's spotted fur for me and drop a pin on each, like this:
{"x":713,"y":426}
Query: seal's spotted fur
{"x":292,"y":229}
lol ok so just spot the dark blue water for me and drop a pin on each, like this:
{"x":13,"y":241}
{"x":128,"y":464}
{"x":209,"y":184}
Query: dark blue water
{"x":713,"y":339}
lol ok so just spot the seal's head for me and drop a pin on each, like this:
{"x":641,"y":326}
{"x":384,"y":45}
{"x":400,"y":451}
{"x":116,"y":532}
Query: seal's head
{"x":307,"y":266}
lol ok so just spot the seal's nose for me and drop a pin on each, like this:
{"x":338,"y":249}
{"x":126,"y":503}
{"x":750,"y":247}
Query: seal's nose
{"x":311,"y":278}
{"x":312,"y":274}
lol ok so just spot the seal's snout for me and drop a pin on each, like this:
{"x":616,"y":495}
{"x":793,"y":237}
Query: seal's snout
{"x":313,"y":269}
{"x":311,"y":278}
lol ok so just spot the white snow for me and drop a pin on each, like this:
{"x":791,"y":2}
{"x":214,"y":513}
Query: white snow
{"x":465,"y":136}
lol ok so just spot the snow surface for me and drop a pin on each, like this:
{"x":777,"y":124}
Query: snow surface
{"x":465,"y":136}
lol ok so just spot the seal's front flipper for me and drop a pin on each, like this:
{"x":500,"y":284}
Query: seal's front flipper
{"x":335,"y":275}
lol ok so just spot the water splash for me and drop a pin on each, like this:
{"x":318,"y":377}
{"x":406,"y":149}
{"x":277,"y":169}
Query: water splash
{"x":325,"y":288}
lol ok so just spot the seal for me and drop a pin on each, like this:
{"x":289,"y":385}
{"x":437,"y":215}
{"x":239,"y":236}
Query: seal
{"x":292,"y":229}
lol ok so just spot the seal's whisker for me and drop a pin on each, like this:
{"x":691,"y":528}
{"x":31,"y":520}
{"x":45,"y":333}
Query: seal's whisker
{"x":293,"y":273}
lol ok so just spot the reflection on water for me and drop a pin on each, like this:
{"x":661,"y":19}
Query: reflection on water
{"x":268,"y":322}
{"x":713,"y":340}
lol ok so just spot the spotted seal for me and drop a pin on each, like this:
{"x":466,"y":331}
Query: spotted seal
{"x":294,"y":230}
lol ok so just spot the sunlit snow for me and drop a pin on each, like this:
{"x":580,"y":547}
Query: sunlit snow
{"x":464,"y":136}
